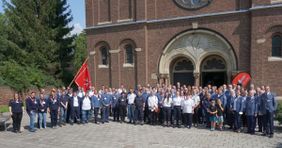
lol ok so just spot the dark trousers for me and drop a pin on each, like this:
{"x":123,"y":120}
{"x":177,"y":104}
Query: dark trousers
{"x":237,"y":121}
{"x":96,"y":112}
{"x":122,"y":112}
{"x":251,"y":124}
{"x":230,"y":118}
{"x":196,"y":116}
{"x":139,"y":114}
{"x":166,"y":114}
{"x":153,"y":117}
{"x":268,"y":123}
{"x":17,"y":119}
{"x":75,"y":114}
{"x":187,"y":119}
{"x":177,"y":114}
{"x":260,"y":122}
{"x":146,"y":114}
{"x":54,"y":117}
{"x":116,"y":113}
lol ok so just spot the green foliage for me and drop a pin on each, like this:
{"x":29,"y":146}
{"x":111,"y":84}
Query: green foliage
{"x":4,"y":108}
{"x":80,"y":52}
{"x":279,"y":112}
{"x":35,"y":43}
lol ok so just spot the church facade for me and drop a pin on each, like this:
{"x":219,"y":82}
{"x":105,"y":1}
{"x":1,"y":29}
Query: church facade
{"x":194,"y":42}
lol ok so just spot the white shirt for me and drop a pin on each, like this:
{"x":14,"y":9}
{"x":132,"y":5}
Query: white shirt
{"x":131,"y":97}
{"x":177,"y":101}
{"x":75,"y":102}
{"x":80,"y":94}
{"x":86,"y":104}
{"x":167,"y":102}
{"x":187,"y":106}
{"x":196,"y":99}
{"x":153,"y":102}
{"x":91,"y":93}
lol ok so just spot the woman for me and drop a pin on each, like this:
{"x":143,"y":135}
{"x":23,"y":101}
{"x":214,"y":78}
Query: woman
{"x":187,"y":106}
{"x":212,"y":111}
{"x":177,"y":108}
{"x":86,"y":107}
{"x":167,"y":104}
{"x":53,"y":108}
{"x":42,"y":110}
{"x":16,"y":109}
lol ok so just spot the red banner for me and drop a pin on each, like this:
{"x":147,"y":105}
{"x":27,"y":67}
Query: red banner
{"x":83,"y":77}
{"x":242,"y":78}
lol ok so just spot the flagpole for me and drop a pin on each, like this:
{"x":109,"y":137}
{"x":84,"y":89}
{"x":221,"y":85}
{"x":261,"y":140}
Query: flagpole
{"x":77,"y":73}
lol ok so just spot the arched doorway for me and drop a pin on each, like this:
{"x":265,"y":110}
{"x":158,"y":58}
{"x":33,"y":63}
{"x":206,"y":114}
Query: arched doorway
{"x":182,"y":71}
{"x":213,"y":71}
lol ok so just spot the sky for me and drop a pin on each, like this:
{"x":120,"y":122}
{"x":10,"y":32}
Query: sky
{"x":78,"y":12}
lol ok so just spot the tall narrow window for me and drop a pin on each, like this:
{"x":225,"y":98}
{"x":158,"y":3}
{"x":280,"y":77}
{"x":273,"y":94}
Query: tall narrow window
{"x":104,"y":55}
{"x":129,"y":56}
{"x":277,"y":46}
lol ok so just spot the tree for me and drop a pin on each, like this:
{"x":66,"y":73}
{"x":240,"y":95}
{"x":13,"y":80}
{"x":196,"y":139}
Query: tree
{"x":80,"y":51}
{"x":40,"y":29}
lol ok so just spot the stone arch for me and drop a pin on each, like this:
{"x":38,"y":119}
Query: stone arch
{"x":196,"y":45}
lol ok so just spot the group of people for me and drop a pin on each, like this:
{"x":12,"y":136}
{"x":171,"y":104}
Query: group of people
{"x":167,"y":105}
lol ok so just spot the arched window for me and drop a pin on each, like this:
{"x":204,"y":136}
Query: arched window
{"x":277,"y":46}
{"x":104,"y":55}
{"x":129,"y":54}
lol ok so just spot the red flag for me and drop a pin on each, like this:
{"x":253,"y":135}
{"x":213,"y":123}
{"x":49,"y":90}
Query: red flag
{"x":82,"y":78}
{"x":242,"y":78}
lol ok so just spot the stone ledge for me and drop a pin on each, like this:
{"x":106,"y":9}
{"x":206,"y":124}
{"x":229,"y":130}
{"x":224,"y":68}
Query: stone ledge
{"x":274,"y":59}
{"x":103,"y":66}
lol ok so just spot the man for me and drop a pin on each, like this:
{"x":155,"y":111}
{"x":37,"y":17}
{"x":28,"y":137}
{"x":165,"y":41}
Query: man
{"x":238,"y":111}
{"x":54,"y":106}
{"x":131,"y":107}
{"x":75,"y":108}
{"x":139,"y":108}
{"x":31,"y":109}
{"x":122,"y":102}
{"x":269,"y":106}
{"x":196,"y":100}
{"x":251,"y":112}
{"x":115,"y":105}
{"x":259,"y":109}
{"x":106,"y":102}
{"x":63,"y":108}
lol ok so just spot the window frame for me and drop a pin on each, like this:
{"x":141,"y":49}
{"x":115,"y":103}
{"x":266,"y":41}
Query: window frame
{"x":126,"y":61}
{"x":102,"y":49}
{"x":272,"y":47}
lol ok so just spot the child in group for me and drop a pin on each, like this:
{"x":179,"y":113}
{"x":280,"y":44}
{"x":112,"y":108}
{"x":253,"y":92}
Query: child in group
{"x":213,"y":114}
{"x":220,"y":111}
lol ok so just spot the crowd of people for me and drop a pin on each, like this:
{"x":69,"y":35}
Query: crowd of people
{"x":227,"y":106}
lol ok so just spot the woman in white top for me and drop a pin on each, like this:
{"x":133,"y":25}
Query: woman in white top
{"x":196,"y":99}
{"x":167,"y":104}
{"x":187,"y":106}
{"x":86,"y":107}
{"x":177,"y":109}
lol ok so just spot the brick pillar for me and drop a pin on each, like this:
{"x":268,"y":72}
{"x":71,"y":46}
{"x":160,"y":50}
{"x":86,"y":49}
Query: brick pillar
{"x":115,"y":67}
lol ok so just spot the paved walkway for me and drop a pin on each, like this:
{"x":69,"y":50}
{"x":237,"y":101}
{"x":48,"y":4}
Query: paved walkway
{"x":118,"y":135}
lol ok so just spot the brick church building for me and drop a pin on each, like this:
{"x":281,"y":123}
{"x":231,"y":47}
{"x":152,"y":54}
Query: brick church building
{"x":195,"y":42}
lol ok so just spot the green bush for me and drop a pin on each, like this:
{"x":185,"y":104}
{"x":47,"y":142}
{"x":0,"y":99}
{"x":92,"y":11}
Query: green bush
{"x":279,"y":112}
{"x":4,"y":108}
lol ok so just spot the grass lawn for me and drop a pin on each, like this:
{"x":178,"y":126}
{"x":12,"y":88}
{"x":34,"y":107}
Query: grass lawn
{"x":4,"y":108}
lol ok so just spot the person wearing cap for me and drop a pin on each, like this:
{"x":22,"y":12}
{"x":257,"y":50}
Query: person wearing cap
{"x":122,"y":102}
{"x":31,"y":109}
{"x":42,"y":111}
{"x":54,"y":106}
{"x":96,"y":105}
{"x":16,"y":109}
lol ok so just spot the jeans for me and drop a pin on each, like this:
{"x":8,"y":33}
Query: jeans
{"x":17,"y":119}
{"x":85,"y":116}
{"x":237,"y":121}
{"x":139,"y":114}
{"x":105,"y":110}
{"x":32,"y":116}
{"x":251,"y":124}
{"x":177,"y":114}
{"x":63,"y":115}
{"x":131,"y":109}
{"x":96,"y":112}
{"x":54,"y":117}
{"x":42,"y":119}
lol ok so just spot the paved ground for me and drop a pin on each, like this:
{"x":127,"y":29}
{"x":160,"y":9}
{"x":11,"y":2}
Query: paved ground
{"x":118,"y":135}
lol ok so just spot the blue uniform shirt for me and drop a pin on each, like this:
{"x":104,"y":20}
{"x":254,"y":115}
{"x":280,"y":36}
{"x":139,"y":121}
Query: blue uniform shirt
{"x":16,"y":106}
{"x":250,"y":106}
{"x":95,"y":101}
{"x":106,"y":99}
{"x":268,"y":103}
